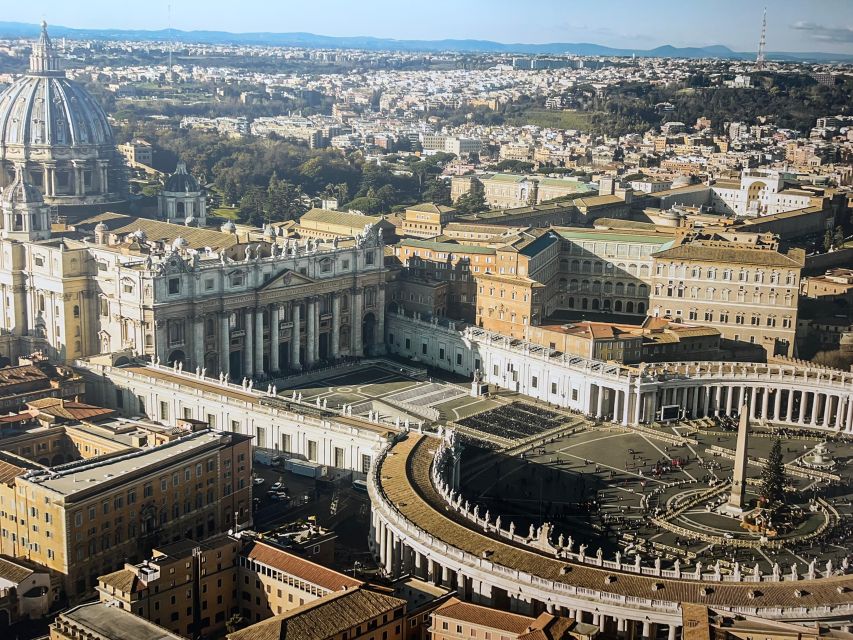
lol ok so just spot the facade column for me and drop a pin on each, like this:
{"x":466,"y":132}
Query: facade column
{"x":274,"y":321}
{"x":198,"y":341}
{"x":765,"y":398}
{"x":294,"y":337}
{"x":248,"y":368}
{"x":161,"y":339}
{"x":311,"y":331}
{"x":224,"y":343}
{"x":335,"y":347}
{"x":357,"y":308}
{"x":259,"y":341}
{"x":378,"y":346}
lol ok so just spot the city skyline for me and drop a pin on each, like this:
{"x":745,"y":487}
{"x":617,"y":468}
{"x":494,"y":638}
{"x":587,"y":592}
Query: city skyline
{"x":793,"y":25}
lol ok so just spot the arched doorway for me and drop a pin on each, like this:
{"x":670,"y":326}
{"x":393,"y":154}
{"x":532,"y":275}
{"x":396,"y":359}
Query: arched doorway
{"x":368,"y":329}
{"x":176,"y":356}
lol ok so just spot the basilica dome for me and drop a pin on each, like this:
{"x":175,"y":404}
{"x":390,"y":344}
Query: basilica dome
{"x":54,"y":133}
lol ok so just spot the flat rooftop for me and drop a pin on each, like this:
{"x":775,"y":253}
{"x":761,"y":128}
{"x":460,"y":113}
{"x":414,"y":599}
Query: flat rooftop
{"x":91,"y":473}
{"x":112,"y":623}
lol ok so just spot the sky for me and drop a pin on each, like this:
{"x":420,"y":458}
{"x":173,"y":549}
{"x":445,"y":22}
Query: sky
{"x":792,"y":25}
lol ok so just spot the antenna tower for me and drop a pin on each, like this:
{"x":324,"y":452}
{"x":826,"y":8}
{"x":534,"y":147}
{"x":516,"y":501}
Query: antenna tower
{"x":172,"y":42}
{"x":759,"y":60}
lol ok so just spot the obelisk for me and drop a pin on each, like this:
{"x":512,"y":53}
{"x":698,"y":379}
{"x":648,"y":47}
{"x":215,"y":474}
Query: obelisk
{"x":736,"y":500}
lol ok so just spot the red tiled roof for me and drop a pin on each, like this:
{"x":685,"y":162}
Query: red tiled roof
{"x":68,"y":409}
{"x":484,"y":616}
{"x":299,"y":567}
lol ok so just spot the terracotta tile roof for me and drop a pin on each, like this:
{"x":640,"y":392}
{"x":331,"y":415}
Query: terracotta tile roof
{"x":12,"y":571}
{"x":68,"y":409}
{"x":405,"y":480}
{"x":737,"y":255}
{"x":299,"y":567}
{"x":24,"y":373}
{"x":9,"y":471}
{"x":123,"y":580}
{"x":157,"y":230}
{"x":324,"y":618}
{"x":484,"y":616}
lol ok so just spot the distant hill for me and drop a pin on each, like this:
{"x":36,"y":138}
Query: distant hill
{"x":310,"y":40}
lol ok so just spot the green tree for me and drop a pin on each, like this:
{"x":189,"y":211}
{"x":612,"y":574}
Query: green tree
{"x":474,"y":201}
{"x":252,"y":207}
{"x":235,"y":623}
{"x":773,"y":475}
{"x":827,"y":240}
{"x":438,"y":192}
{"x":838,"y":237}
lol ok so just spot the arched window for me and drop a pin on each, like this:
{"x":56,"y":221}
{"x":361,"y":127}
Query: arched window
{"x":76,"y":311}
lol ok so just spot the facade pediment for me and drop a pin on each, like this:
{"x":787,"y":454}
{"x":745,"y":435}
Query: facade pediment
{"x":286,"y":279}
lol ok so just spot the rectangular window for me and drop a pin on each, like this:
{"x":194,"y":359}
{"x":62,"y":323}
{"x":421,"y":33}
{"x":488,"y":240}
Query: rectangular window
{"x":174,"y":285}
{"x":164,"y":410}
{"x":312,"y":450}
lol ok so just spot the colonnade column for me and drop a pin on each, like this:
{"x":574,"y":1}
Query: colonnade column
{"x":803,"y":398}
{"x":335,"y":347}
{"x":848,"y":423}
{"x":789,"y":416}
{"x":294,"y":338}
{"x":638,"y":403}
{"x":815,"y":406}
{"x":600,"y":402}
{"x":274,"y":320}
{"x":259,"y":342}
{"x":311,"y":333}
{"x":729,"y":399}
{"x":765,"y":398}
{"x":777,"y":404}
{"x":224,"y":343}
{"x":827,"y":410}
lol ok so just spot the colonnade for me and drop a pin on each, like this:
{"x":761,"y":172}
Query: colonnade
{"x":829,"y":409}
{"x":397,"y":557}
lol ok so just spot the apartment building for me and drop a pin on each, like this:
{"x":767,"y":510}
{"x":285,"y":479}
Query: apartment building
{"x":741,"y":284}
{"x":358,"y":613}
{"x":425,"y":220}
{"x":114,"y":503}
{"x":186,"y":586}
